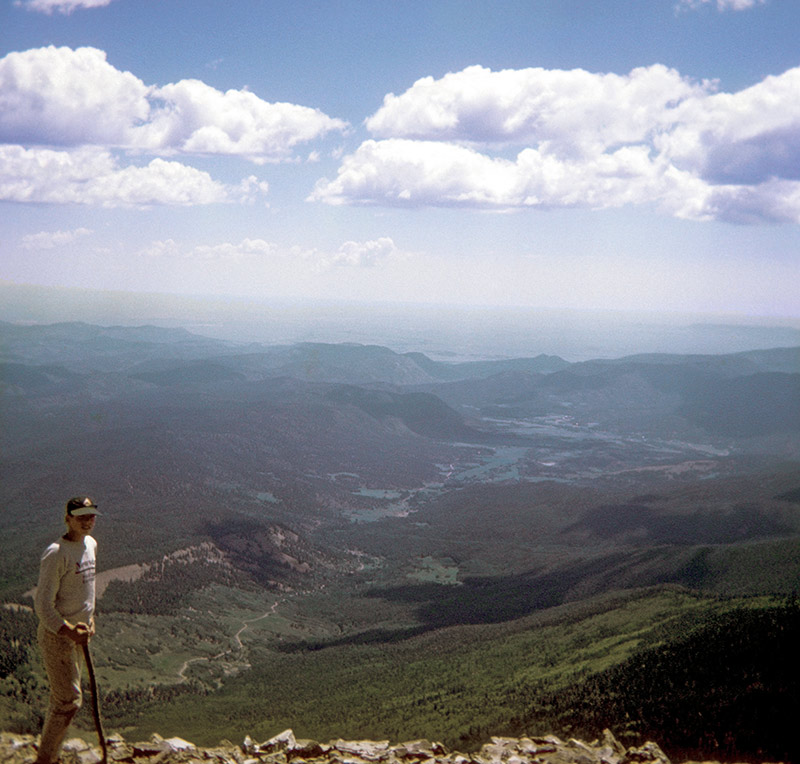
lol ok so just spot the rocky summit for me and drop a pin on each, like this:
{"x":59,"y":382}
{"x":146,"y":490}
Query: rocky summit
{"x":287,"y":749}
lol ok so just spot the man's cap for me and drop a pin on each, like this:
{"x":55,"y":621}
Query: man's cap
{"x":78,"y":506}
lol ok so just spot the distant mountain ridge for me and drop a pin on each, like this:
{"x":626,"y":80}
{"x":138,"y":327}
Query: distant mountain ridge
{"x":86,"y":347}
{"x":142,"y":350}
{"x":754,"y":394}
{"x":785,"y":359}
{"x":77,"y":344}
{"x":83,"y":332}
{"x":540,"y":364}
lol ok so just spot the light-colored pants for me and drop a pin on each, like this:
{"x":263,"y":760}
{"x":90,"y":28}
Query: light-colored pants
{"x":62,"y":660}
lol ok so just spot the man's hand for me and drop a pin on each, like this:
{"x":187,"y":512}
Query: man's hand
{"x":79,"y":633}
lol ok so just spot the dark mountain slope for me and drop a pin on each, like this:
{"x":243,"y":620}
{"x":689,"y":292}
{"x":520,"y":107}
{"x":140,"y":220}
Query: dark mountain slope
{"x":168,"y":460}
{"x":682,"y":399}
{"x":194,"y":373}
{"x":728,"y":687}
{"x":759,"y":404}
{"x":19,"y":377}
{"x":423,"y":413}
{"x":507,"y":388}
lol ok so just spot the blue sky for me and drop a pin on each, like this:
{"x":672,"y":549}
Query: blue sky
{"x":624,"y":155}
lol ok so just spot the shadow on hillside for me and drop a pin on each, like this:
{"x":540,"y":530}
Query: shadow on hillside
{"x":480,"y":600}
{"x":646,"y":525}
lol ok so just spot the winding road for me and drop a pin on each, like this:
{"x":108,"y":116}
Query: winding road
{"x":237,"y":637}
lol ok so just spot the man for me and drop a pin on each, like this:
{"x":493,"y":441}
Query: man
{"x":65,"y":599}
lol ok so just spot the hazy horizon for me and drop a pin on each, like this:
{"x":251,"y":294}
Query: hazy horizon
{"x":447,"y":332}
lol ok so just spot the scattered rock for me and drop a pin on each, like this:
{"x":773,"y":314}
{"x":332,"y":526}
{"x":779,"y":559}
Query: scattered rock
{"x":365,"y":750}
{"x":282,"y":742}
{"x":286,"y":749}
{"x":178,"y":744}
{"x":249,"y":747}
{"x":649,"y":752}
{"x":309,"y":749}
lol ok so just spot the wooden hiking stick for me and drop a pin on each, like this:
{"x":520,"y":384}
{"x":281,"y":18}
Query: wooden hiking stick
{"x":95,"y":702}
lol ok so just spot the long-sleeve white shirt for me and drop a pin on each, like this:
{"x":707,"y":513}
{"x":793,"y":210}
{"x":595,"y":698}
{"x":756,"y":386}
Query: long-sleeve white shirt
{"x":66,"y":589}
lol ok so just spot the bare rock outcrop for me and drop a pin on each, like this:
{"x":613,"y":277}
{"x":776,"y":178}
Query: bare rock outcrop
{"x":285,"y":748}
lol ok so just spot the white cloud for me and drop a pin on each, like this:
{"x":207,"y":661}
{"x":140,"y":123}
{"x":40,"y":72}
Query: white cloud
{"x":251,"y":188}
{"x":53,"y":239}
{"x":63,"y":110}
{"x":197,"y":119}
{"x":246,"y":248}
{"x":164,"y":248}
{"x":93,"y":176}
{"x":722,"y":5}
{"x":573,"y":111}
{"x":362,"y":254}
{"x":775,"y":201}
{"x":61,"y":6}
{"x":64,"y":97}
{"x":582,"y":139}
{"x":225,"y":251}
{"x":410,"y":173}
{"x":742,"y":138}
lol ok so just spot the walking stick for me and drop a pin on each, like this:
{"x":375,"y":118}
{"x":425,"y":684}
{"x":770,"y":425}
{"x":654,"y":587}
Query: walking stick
{"x":95,"y":703}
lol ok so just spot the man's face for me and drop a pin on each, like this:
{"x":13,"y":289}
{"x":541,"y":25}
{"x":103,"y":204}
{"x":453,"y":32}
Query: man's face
{"x":81,"y":525}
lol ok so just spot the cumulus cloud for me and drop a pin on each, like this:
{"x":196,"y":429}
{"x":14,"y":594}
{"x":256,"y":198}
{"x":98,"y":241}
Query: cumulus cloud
{"x":93,"y":176}
{"x":64,"y":97}
{"x":197,"y":119}
{"x":362,"y":254}
{"x":60,"y":6}
{"x":543,"y":138}
{"x":722,"y":5}
{"x":742,"y":138}
{"x":403,"y":172}
{"x":53,"y":239}
{"x":63,"y":112}
{"x":575,"y":111}
{"x":225,"y":251}
{"x":60,"y":97}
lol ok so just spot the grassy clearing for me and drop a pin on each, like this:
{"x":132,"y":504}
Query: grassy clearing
{"x":433,"y":571}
